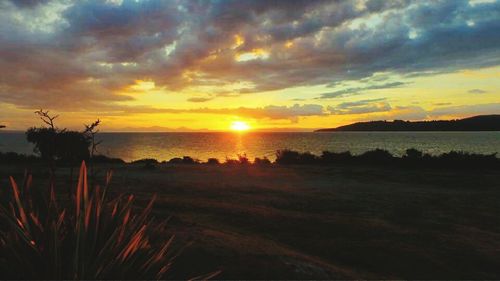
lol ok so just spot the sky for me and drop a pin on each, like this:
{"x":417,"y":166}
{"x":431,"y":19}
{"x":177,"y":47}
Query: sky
{"x":183,"y":65}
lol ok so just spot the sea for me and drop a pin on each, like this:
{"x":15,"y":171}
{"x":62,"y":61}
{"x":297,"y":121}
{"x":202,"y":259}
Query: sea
{"x":165,"y":146}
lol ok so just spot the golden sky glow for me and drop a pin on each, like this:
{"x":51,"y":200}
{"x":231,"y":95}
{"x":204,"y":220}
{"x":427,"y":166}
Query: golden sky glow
{"x":192,"y":66}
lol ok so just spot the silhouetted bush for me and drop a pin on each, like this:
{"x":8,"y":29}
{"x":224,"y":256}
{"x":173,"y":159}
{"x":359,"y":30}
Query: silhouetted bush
{"x":287,"y":157}
{"x":213,"y":161}
{"x":376,"y":156}
{"x":458,"y":159}
{"x":145,"y":161}
{"x":261,"y":161}
{"x":67,"y":147}
{"x":243,"y":159}
{"x":175,"y":160}
{"x":328,"y":157}
{"x":413,"y":154}
{"x":184,"y":160}
{"x":72,"y":147}
{"x":44,"y":140}
{"x":189,"y":160}
{"x":230,"y":161}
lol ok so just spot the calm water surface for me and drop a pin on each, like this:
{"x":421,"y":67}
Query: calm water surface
{"x":164,"y":146}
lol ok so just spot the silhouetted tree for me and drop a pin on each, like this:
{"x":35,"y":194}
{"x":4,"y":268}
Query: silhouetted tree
{"x":60,"y":145}
{"x":46,"y":118}
{"x":90,"y":133}
{"x":53,"y":144}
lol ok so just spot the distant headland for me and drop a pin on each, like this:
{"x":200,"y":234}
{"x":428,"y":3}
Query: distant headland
{"x":476,"y":123}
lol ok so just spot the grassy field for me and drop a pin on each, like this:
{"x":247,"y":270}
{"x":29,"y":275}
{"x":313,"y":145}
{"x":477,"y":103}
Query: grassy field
{"x":311,"y":222}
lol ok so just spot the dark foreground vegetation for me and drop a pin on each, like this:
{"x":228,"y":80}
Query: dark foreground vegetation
{"x":297,"y":221}
{"x":476,"y":123}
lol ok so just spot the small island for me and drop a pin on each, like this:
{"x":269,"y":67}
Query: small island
{"x":476,"y":123}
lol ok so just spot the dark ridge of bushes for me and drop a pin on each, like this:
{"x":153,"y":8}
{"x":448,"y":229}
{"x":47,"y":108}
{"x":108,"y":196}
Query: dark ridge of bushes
{"x":412,"y":158}
{"x":12,"y":157}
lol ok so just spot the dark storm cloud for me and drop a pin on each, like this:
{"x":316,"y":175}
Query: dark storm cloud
{"x":83,"y":54}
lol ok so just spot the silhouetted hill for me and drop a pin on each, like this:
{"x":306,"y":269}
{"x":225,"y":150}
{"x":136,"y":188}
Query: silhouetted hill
{"x":476,"y":123}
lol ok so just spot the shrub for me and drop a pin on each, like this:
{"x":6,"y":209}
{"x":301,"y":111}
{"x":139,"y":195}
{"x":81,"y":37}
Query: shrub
{"x":230,"y":161}
{"x":261,"y":161}
{"x":72,"y":147}
{"x":92,"y":237}
{"x":183,"y":160}
{"x":287,"y":156}
{"x":243,"y":159}
{"x":213,"y":161}
{"x":145,"y":161}
{"x":336,"y":158}
{"x":189,"y":160}
{"x":376,"y":156}
{"x":44,"y":141}
{"x":413,"y":153}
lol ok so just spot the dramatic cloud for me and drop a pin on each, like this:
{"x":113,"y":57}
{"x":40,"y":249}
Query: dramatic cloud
{"x":85,"y":55}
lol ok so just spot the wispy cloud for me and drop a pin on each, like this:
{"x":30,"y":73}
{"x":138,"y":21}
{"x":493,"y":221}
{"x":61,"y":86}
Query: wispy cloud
{"x":200,"y":99}
{"x":476,"y":91}
{"x":358,"y":90}
{"x":361,"y":107}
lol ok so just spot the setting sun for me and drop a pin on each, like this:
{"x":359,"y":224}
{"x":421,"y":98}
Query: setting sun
{"x":239,"y":126}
